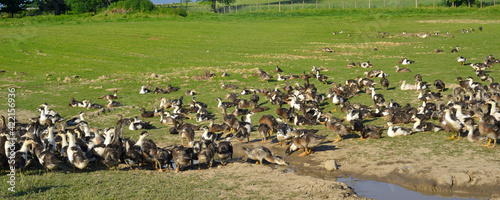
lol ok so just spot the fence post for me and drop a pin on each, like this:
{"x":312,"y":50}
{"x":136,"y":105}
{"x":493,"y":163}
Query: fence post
{"x":399,"y":3}
{"x":416,"y":3}
{"x":384,"y":3}
{"x":343,"y":4}
{"x":356,"y":4}
{"x":329,"y":4}
{"x":224,"y":9}
{"x":369,"y":4}
{"x":279,"y":6}
{"x":291,"y":6}
{"x":243,"y":7}
{"x":302,"y":4}
{"x":468,"y":2}
{"x":268,"y":6}
{"x":433,"y":3}
{"x":236,"y":9}
{"x":250,"y":7}
{"x":316,"y":4}
{"x":481,"y":3}
{"x":257,"y":7}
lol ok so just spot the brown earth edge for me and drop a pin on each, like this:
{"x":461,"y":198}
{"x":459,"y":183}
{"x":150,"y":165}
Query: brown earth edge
{"x":435,"y":176}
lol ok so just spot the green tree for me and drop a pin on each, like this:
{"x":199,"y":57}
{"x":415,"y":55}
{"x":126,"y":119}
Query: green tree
{"x":83,"y":6}
{"x":14,"y":6}
{"x":54,"y":6}
{"x":458,"y":3}
{"x":212,"y":3}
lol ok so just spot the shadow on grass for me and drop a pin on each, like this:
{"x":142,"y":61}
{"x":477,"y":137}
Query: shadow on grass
{"x":37,"y":190}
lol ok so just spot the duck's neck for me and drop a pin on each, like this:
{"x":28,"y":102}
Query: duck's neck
{"x":64,"y":142}
{"x":140,"y":141}
{"x":373,"y":93}
{"x":51,"y":133}
{"x":493,"y":108}
{"x":417,"y":123}
{"x":108,"y":138}
{"x":71,"y":140}
{"x":470,"y":135}
{"x":249,"y":119}
{"x":24,"y":148}
{"x":86,"y":130}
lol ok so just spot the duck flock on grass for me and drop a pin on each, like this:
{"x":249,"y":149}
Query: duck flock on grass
{"x":49,"y":141}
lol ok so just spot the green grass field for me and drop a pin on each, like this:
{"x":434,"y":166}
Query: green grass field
{"x":122,"y":51}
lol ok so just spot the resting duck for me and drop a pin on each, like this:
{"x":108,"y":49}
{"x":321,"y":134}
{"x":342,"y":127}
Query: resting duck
{"x":371,"y":132}
{"x":405,"y":86}
{"x":404,"y":69}
{"x":222,"y":105}
{"x":112,"y":103}
{"x":144,"y":90}
{"x":109,"y":96}
{"x":260,"y":153}
{"x":166,"y":119}
{"x":264,"y":76}
{"x":461,"y":60}
{"x":405,"y":61}
{"x":420,"y":126}
{"x":224,"y":74}
{"x":225,"y":150}
{"x":228,"y":86}
{"x":75,"y":103}
{"x":146,"y":114}
{"x":182,"y":157}
{"x":138,"y":124}
{"x":306,"y":141}
{"x":375,"y":73}
{"x":277,"y":70}
{"x":396,"y":131}
{"x":282,"y":78}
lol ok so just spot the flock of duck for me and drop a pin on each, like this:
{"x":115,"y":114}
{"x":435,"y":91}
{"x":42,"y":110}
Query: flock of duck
{"x":50,"y":141}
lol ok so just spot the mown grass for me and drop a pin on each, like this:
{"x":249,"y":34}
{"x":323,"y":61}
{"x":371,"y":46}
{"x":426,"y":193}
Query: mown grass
{"x":127,"y":49}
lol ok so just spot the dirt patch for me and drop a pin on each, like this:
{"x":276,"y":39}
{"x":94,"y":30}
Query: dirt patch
{"x":271,"y":183}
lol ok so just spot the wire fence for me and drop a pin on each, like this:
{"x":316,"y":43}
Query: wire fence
{"x":290,"y":6}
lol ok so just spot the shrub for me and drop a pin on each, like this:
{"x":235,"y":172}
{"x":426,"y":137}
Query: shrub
{"x":135,"y":5}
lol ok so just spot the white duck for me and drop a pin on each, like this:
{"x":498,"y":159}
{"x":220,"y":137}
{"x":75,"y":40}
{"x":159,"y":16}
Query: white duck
{"x":396,"y":131}
{"x":144,"y":90}
{"x":405,"y":86}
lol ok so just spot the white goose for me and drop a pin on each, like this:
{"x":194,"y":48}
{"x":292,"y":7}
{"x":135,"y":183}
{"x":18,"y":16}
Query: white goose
{"x":396,"y":131}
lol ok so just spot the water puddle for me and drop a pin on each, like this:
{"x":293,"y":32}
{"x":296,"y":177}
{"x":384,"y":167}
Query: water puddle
{"x":387,"y":191}
{"x":375,"y":189}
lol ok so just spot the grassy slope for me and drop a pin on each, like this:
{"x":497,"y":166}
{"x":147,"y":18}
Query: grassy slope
{"x":134,"y":47}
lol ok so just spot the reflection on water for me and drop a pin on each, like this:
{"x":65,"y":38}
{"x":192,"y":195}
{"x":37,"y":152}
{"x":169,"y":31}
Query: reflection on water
{"x":386,"y":191}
